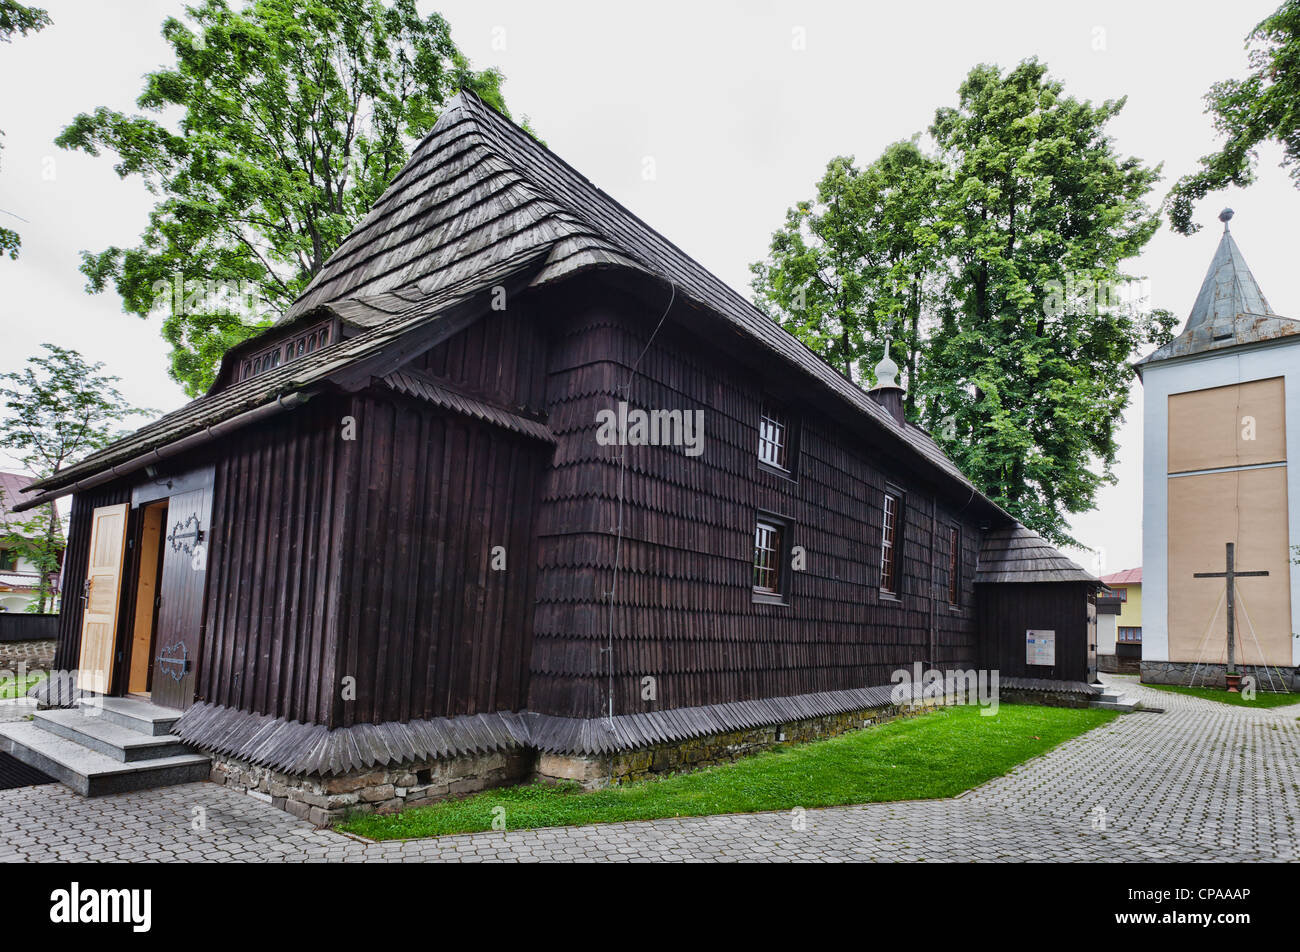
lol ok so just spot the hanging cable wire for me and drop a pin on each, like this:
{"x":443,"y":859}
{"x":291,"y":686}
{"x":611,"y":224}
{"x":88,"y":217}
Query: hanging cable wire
{"x":626,"y":392}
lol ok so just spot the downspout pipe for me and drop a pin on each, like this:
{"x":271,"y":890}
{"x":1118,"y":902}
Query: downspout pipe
{"x":186,"y":443}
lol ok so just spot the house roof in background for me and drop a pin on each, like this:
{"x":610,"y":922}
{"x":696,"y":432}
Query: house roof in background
{"x":11,"y":487}
{"x":1125,"y":577}
{"x":1230,"y":309}
{"x":1018,"y":554}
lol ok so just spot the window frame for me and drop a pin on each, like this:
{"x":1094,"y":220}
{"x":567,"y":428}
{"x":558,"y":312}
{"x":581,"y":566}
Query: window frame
{"x":779,"y":594}
{"x":307,"y":341}
{"x":893,"y":544}
{"x":783,"y":413}
{"x":954,"y":565}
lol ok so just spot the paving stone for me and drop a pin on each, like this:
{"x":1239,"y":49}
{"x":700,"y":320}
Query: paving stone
{"x":1203,"y":782}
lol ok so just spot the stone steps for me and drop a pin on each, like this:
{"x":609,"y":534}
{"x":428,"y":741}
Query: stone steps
{"x":107,"y":737}
{"x":1113,"y":701}
{"x":132,"y":712}
{"x":105,"y":745}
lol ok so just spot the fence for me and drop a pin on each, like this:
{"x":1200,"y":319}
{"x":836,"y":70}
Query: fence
{"x":20,"y":626}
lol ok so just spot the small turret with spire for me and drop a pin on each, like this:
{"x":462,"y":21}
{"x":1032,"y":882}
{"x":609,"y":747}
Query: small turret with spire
{"x":887,"y":392}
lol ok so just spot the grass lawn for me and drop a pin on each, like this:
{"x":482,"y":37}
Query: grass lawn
{"x":11,"y":688}
{"x":938,"y":754}
{"x":1262,"y":698}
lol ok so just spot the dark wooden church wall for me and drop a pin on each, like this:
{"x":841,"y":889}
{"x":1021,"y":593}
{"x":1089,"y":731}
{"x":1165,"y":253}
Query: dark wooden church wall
{"x":684,"y":613}
{"x":426,"y":626}
{"x":72,"y":577}
{"x":273,"y":565}
{"x":956,"y":643}
{"x":500,"y":358}
{"x":1008,"y":610}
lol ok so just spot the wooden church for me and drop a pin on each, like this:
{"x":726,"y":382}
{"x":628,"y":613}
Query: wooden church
{"x":1222,"y":414}
{"x":395,"y":554}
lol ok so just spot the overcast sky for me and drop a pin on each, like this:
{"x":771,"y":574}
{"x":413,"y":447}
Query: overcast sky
{"x":740,"y":124}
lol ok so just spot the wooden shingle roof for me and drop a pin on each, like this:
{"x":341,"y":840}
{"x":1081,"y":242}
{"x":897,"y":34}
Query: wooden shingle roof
{"x":477,"y":183}
{"x":433,"y":315}
{"x":480,"y":199}
{"x":1017,"y":554}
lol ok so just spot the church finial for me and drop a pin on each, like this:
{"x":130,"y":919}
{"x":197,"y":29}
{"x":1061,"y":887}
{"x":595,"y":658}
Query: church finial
{"x":1225,"y":216}
{"x":887,"y":370}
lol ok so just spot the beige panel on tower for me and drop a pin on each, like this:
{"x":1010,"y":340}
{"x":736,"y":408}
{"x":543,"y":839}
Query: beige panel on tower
{"x":1248,"y":507}
{"x":1211,"y":429}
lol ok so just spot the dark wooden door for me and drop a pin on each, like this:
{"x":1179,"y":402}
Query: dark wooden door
{"x":180,"y":610}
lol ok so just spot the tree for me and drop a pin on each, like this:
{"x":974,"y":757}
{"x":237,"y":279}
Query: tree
{"x":1029,"y":373}
{"x":38,"y":539}
{"x":59,"y":408}
{"x":850,"y":266}
{"x":994,"y":265}
{"x":295,"y":115}
{"x":1249,"y":112}
{"x":16,"y":18}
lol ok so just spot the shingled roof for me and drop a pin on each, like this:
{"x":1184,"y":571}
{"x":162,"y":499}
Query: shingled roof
{"x":1229,"y":311}
{"x":477,"y":183}
{"x":1018,"y":554}
{"x":479,"y":195}
{"x":434,"y":314}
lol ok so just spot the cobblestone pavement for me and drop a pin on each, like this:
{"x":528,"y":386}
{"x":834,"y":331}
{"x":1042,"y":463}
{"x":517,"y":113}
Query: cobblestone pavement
{"x":1202,"y":782}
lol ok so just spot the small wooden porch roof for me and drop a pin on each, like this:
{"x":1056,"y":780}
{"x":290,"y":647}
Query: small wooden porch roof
{"x":1018,"y":554}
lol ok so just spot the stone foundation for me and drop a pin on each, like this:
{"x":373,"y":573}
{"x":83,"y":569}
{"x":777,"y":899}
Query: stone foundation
{"x":596,"y":771}
{"x":1213,"y":675}
{"x":326,"y":800}
{"x":1045,"y":698}
{"x":37,"y":655}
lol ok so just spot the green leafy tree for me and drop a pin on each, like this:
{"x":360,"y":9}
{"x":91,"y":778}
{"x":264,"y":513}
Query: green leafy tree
{"x":58,"y":408}
{"x":1263,"y":107}
{"x":294,"y":117}
{"x":38,"y":539}
{"x":850,"y":266}
{"x":995,"y":266}
{"x":1028,"y":372}
{"x":17,"y":19}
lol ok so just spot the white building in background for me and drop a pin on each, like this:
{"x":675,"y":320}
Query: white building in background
{"x":1222,"y":418}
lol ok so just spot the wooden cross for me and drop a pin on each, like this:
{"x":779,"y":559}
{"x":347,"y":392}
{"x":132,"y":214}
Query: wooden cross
{"x":1231,"y":575}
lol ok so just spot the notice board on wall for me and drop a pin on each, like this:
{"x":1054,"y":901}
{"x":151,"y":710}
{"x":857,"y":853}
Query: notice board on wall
{"x":1040,"y":647}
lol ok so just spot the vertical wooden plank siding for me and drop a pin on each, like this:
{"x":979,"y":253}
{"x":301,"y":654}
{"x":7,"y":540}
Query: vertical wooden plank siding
{"x":428,"y":627}
{"x":265,"y":648}
{"x":1008,"y":610}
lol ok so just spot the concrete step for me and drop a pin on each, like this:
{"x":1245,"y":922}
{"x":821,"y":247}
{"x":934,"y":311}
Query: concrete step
{"x":1115,"y":702}
{"x":90,"y":773}
{"x":107,"y":737}
{"x":139,"y":715}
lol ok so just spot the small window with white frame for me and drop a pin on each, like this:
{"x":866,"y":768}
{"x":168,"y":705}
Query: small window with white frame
{"x":774,"y":437}
{"x":771,"y":545}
